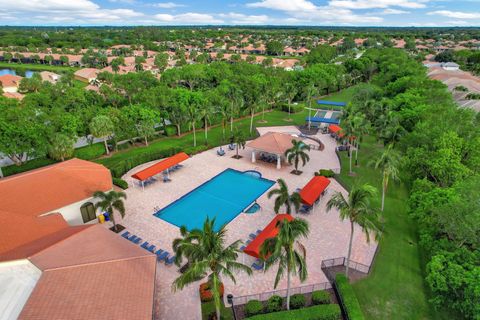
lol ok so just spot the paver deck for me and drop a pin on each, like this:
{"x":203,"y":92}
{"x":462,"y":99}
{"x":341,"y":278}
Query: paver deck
{"x":328,"y":235}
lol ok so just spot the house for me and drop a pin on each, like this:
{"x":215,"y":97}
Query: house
{"x":10,"y":83}
{"x":66,"y":188}
{"x":14,"y":95}
{"x":49,"y":76}
{"x":55,"y":271}
{"x":87,"y":75}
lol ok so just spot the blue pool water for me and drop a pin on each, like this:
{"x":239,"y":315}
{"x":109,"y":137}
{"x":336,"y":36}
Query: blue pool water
{"x":26,"y":74}
{"x":223,"y":197}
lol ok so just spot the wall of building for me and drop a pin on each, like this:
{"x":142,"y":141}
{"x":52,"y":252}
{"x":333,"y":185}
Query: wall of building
{"x":10,"y":89}
{"x":72,"y":214}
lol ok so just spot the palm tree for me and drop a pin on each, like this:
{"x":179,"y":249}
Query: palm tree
{"x":348,"y":130}
{"x":192,"y":112}
{"x":287,"y":251}
{"x":357,"y":209}
{"x":204,"y":114}
{"x":285,"y":198}
{"x":290,"y":93}
{"x":109,"y":201}
{"x":240,"y":141}
{"x":208,"y":257}
{"x":388,"y":162}
{"x":297,"y":153}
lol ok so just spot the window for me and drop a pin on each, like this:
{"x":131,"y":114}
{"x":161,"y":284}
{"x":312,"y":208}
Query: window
{"x":88,"y":212}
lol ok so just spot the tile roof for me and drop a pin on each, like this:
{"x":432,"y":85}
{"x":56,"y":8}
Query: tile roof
{"x":87,"y":73}
{"x":9,"y":80}
{"x":53,"y":187}
{"x":273,"y":142}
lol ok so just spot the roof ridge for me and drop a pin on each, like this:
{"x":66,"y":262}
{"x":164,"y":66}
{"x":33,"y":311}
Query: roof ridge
{"x":86,"y":227}
{"x":37,"y":170}
{"x":97,"y":262}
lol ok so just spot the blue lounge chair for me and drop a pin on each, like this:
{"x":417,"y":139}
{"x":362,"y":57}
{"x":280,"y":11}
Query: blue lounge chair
{"x":169,"y":261}
{"x":258,"y":266}
{"x":163,"y":256}
{"x":137,"y":241}
{"x":248,"y":242}
{"x":132,"y":238}
{"x":158,"y":252}
{"x":259,"y":231}
{"x":242,"y":248}
{"x":252,"y":236}
{"x":151,"y":248}
{"x":145,"y":245}
{"x":125,"y":234}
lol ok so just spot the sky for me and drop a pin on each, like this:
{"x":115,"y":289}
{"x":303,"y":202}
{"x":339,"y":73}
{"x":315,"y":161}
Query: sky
{"x":419,"y":13}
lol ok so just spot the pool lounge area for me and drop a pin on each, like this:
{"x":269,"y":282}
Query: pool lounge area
{"x":223,"y":197}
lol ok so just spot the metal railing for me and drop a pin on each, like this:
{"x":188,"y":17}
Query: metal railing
{"x":282,"y":293}
{"x":342,"y":261}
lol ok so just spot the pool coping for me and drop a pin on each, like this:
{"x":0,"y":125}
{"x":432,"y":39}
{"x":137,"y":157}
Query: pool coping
{"x":207,"y":181}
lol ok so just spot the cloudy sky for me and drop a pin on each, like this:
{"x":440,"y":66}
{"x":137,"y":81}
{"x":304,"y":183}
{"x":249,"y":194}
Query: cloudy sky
{"x":240,"y":12}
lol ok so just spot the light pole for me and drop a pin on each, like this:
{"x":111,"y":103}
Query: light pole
{"x":230,"y":302}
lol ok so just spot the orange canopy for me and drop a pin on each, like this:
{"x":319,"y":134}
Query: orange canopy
{"x":335,"y":129}
{"x":270,"y":231}
{"x":313,"y":189}
{"x":160,"y":166}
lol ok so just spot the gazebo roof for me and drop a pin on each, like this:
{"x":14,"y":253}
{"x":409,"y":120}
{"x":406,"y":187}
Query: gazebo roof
{"x":273,"y":142}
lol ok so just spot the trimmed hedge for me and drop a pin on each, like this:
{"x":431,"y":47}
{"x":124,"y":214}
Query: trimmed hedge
{"x":120,"y":183}
{"x":170,"y":130}
{"x":348,"y":297}
{"x":327,"y":173}
{"x":274,"y":304}
{"x":253,"y":307}
{"x":320,"y":312}
{"x":297,"y":301}
{"x":320,"y":297}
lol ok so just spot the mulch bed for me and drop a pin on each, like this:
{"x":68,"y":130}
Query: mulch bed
{"x":237,"y":157}
{"x":296,"y":172}
{"x":120,"y":228}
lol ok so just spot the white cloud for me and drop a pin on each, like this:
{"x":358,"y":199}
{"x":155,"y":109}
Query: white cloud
{"x":456,"y":14}
{"x":168,"y":5}
{"x":240,"y":18}
{"x":369,"y":4}
{"x":292,"y":5}
{"x":394,"y":11}
{"x":188,"y":18}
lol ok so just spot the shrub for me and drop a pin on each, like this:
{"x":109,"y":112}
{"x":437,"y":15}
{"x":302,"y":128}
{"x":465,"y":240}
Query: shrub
{"x":120,"y":183}
{"x":170,"y":130}
{"x":253,"y":307}
{"x":294,"y":108}
{"x":274,"y":304}
{"x":206,"y":294}
{"x":320,"y":297}
{"x":348,"y":297}
{"x":326,"y":173}
{"x":321,"y":312}
{"x":297,"y":301}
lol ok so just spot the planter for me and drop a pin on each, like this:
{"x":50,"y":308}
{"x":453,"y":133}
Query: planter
{"x":206,"y":294}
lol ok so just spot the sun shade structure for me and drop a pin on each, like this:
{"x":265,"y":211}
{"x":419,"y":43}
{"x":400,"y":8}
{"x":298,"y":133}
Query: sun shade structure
{"x":270,"y":231}
{"x":274,"y":143}
{"x":331,"y":103}
{"x":313,"y":189}
{"x":322,"y":120}
{"x":161,"y":166}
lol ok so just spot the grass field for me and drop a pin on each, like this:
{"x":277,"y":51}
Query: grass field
{"x":35,"y":67}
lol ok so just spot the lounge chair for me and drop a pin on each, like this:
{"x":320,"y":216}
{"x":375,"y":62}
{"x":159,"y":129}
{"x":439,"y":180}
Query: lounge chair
{"x":221,"y":152}
{"x":242,"y":248}
{"x":258,"y":266}
{"x":158,"y":252}
{"x":151,"y":248}
{"x":166,"y":179}
{"x":132,"y":238}
{"x":145,"y":245}
{"x":252,"y":236}
{"x":125,"y":234}
{"x":248,"y":242}
{"x":163,"y":256}
{"x":170,"y":261}
{"x":137,"y":241}
{"x":231,"y":146}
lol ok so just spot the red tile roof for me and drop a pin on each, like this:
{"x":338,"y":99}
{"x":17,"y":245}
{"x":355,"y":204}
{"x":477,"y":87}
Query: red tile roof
{"x":9,"y":80}
{"x":53,"y":187}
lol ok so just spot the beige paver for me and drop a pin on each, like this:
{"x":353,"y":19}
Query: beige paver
{"x":328,"y":235}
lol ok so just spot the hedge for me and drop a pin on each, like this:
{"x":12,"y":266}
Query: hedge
{"x":320,"y":297}
{"x":327,"y":173}
{"x":274,"y":304}
{"x":120,"y":183}
{"x":297,"y":301}
{"x":348,"y":297}
{"x":253,"y":307}
{"x":320,"y":312}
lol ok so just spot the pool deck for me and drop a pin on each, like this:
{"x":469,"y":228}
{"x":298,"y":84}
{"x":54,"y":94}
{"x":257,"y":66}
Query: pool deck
{"x":328,"y":235}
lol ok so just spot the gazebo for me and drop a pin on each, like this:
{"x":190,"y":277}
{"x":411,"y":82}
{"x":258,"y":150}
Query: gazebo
{"x":274,"y":143}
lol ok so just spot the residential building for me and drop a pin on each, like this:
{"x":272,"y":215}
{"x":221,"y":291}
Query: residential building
{"x":87,"y":75}
{"x":10,"y":83}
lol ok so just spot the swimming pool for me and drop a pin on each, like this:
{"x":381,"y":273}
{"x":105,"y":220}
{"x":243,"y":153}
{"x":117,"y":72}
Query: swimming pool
{"x":223,"y":197}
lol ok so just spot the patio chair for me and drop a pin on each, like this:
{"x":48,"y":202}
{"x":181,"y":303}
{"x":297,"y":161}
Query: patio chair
{"x":163,"y":256}
{"x":259,"y":231}
{"x":258,"y":266}
{"x":125,"y":234}
{"x":137,"y":241}
{"x":166,"y":179}
{"x":158,"y":252}
{"x":242,"y":248}
{"x":231,"y":146}
{"x":170,"y":261}
{"x":248,"y":242}
{"x":221,"y":152}
{"x":132,"y":238}
{"x":252,"y":236}
{"x":145,"y":245}
{"x":151,"y":248}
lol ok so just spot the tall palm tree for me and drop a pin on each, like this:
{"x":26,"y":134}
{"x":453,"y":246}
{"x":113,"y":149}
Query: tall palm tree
{"x":389,"y":162}
{"x":357,"y":209}
{"x":192,"y":112}
{"x":284,"y":198}
{"x":209,"y":257}
{"x":240,"y":141}
{"x":287,"y":251}
{"x":204,"y":113}
{"x":297,"y":153}
{"x":348,"y":130}
{"x":110,"y":201}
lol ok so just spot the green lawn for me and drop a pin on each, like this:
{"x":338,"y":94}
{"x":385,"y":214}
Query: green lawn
{"x":35,"y":67}
{"x":395,"y":288}
{"x":209,"y":308}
